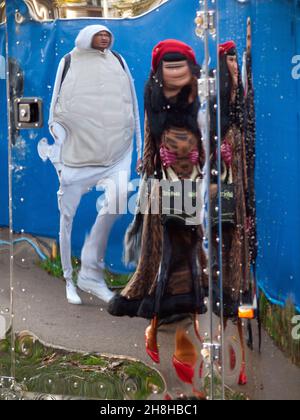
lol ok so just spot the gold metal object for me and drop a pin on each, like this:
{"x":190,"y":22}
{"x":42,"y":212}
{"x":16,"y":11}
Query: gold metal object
{"x":2,"y":13}
{"x":48,"y":10}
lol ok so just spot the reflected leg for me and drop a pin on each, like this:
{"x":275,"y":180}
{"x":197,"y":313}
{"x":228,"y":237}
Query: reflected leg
{"x":185,"y":361}
{"x":243,"y":378}
{"x":69,"y":197}
{"x":91,"y":277}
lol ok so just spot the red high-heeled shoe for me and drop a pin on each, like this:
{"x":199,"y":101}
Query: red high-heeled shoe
{"x":185,"y":371}
{"x":185,"y":361}
{"x":243,"y":380}
{"x":151,"y":341}
{"x":185,"y":357}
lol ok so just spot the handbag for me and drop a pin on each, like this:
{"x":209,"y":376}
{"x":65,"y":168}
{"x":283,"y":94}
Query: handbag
{"x":181,"y":199}
{"x":228,"y":201}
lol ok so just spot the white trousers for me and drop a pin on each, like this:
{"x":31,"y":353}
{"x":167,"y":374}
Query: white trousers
{"x":76,"y":182}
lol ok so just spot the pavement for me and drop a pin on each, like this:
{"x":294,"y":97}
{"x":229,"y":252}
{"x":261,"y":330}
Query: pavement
{"x":40,"y":307}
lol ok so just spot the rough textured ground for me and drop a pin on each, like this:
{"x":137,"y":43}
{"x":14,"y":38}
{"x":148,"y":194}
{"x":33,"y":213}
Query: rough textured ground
{"x":40,"y":307}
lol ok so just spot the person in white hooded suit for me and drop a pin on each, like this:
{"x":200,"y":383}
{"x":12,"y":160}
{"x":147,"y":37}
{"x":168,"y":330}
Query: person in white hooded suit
{"x":93,"y":116}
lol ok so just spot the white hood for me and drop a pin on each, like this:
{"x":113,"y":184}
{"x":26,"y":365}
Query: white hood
{"x":86,"y":35}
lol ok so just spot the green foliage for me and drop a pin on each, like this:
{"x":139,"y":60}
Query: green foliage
{"x":277,"y":321}
{"x":116,"y":281}
{"x":230,"y":394}
{"x":41,"y":369}
{"x":54,"y":268}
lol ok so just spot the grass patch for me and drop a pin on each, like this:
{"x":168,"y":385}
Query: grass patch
{"x":45,"y":370}
{"x":278,"y":323}
{"x":54,"y":268}
{"x":118,"y":281}
{"x":230,"y":394}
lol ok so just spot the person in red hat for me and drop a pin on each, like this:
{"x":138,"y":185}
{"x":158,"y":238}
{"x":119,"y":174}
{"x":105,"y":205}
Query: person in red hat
{"x":170,"y":262}
{"x":236,"y":257}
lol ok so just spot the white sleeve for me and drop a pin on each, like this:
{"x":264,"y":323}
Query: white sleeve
{"x":138,"y":132}
{"x":57,"y":131}
{"x":56,"y":90}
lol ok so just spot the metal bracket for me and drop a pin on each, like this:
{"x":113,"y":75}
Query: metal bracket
{"x":206,"y":87}
{"x":211,"y":351}
{"x":28,"y":113}
{"x":206,"y":21}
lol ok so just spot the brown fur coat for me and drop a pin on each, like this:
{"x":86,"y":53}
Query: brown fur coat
{"x":138,"y":297}
{"x":236,"y":258}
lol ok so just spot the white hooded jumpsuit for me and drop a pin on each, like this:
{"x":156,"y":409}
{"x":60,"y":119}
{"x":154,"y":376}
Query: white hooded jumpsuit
{"x":93,"y":116}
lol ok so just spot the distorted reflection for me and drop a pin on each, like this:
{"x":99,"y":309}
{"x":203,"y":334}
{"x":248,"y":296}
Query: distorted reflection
{"x":173,"y":285}
{"x":44,"y":370}
{"x":2,"y":12}
{"x":84,"y":163}
{"x":72,"y":9}
{"x":69,"y":283}
{"x":235,"y":243}
{"x":257,"y":272}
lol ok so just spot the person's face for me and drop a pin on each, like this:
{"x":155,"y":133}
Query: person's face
{"x":101,"y":41}
{"x":233,"y":68}
{"x":176,"y":74}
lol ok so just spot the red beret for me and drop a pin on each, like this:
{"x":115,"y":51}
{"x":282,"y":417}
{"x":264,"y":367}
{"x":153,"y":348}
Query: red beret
{"x":225,"y":48}
{"x":171,"y":46}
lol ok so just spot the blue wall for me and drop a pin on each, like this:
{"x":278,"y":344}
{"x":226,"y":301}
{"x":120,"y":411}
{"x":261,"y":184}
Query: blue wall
{"x":276,"y":40}
{"x":40,"y":49}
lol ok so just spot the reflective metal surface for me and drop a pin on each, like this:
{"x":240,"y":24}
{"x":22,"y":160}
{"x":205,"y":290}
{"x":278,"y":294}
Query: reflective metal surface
{"x":50,"y":349}
{"x":47,"y":10}
{"x":2,"y":13}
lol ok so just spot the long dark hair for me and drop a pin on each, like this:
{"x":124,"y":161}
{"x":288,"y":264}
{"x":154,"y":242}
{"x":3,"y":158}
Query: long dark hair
{"x":164,"y":113}
{"x":231,"y":112}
